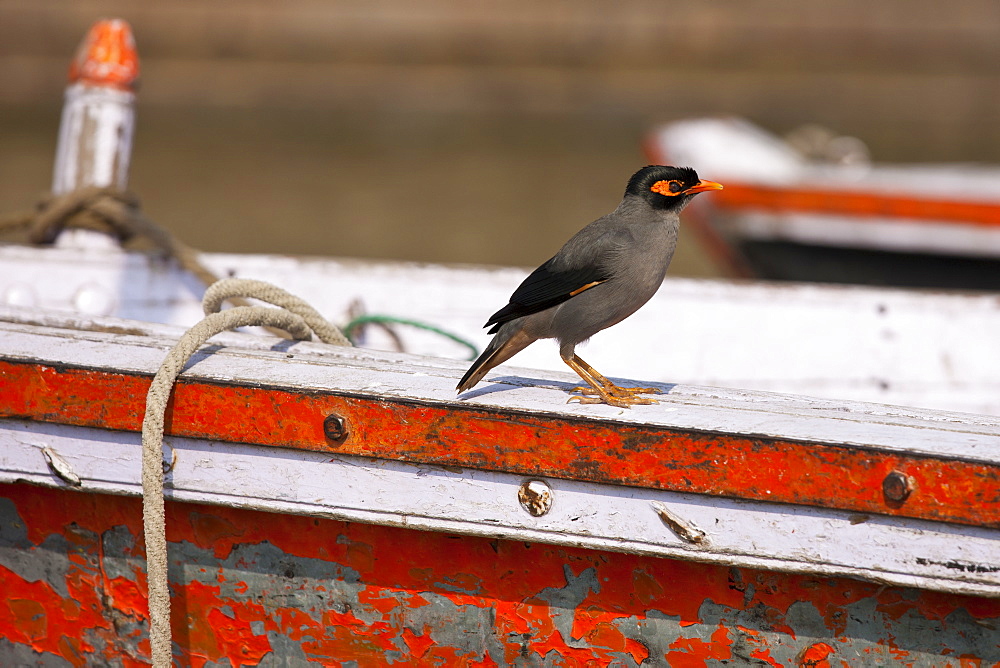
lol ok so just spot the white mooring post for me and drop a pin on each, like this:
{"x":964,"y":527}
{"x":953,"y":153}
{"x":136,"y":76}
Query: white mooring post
{"x":98,"y":119}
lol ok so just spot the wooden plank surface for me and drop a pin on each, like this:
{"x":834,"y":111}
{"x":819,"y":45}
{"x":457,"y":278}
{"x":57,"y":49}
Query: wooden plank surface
{"x":471,"y":501}
{"x":904,"y":347}
{"x":254,"y":554}
{"x":736,"y":444}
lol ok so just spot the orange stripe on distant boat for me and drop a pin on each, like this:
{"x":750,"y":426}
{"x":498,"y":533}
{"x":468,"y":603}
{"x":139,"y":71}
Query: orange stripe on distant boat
{"x":757,"y":468}
{"x":855,"y":204}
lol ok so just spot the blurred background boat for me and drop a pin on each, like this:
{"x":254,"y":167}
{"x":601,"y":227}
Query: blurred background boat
{"x":812,"y":207}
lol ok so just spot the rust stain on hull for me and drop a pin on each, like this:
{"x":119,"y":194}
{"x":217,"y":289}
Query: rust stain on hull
{"x":251,"y":587}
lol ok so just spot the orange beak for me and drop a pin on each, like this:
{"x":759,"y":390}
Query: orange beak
{"x":702,"y":186}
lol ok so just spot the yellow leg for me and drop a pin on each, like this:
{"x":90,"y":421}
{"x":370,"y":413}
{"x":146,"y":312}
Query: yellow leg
{"x":602,"y":390}
{"x":607,"y":384}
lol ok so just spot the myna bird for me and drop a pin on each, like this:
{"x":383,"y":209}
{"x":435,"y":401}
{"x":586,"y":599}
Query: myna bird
{"x":603,"y":274}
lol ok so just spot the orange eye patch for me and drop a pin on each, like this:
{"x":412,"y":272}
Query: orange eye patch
{"x":668,"y":188}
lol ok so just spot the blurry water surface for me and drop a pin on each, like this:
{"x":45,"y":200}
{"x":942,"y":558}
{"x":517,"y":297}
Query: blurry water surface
{"x":451,"y":131}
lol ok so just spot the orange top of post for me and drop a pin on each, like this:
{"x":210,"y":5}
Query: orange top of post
{"x":107,"y":57}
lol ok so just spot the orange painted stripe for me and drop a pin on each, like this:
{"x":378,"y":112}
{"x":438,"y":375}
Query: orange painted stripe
{"x":753,"y":468}
{"x":855,"y":204}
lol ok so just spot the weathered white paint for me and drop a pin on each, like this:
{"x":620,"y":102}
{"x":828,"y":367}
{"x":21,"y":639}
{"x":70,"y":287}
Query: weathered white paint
{"x":140,"y":347}
{"x":917,"y":348}
{"x":759,"y":535}
{"x":891,"y":550}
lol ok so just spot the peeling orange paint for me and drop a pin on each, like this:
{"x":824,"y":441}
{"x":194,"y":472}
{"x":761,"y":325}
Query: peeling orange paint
{"x":764,"y":656}
{"x":417,"y":644}
{"x":337,"y":592}
{"x":815,"y":656}
{"x":237,"y":641}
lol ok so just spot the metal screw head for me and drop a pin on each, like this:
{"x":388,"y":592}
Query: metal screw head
{"x":897,"y":487}
{"x":335,"y":427}
{"x":535,"y":497}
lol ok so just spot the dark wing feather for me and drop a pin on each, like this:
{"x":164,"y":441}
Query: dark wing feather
{"x":544,"y":288}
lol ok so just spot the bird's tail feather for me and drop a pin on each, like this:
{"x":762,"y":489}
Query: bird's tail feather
{"x":478,"y":369}
{"x":501,"y":348}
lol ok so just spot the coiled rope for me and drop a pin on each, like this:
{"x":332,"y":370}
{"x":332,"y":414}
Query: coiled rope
{"x":113,"y":212}
{"x":294,"y":316}
{"x":107,"y":210}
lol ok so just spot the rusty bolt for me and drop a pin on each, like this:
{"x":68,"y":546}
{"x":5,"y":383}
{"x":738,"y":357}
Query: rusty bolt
{"x":335,"y":427}
{"x":535,"y":496}
{"x":897,"y":487}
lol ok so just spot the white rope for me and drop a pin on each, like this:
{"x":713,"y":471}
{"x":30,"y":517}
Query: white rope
{"x":265,"y":292}
{"x":301,"y":321}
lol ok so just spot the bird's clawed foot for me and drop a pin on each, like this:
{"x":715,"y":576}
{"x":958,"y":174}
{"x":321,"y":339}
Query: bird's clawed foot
{"x":600,"y":390}
{"x":617,"y":389}
{"x":615,"y":395}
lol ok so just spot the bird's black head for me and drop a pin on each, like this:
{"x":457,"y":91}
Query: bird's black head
{"x":665,"y":187}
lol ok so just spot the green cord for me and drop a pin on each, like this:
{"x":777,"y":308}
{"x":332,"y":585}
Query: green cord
{"x":390,"y":320}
